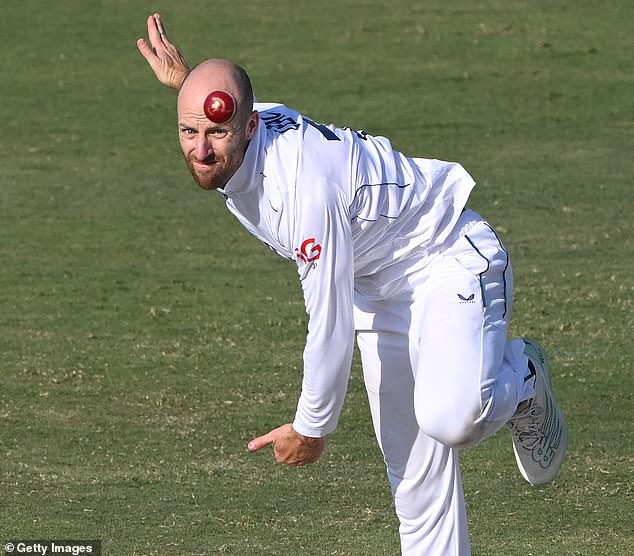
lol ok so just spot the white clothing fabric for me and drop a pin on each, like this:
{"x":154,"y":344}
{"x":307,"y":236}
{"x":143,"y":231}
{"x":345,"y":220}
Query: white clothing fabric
{"x":344,"y":205}
{"x":441,"y":375}
{"x":385,"y":248}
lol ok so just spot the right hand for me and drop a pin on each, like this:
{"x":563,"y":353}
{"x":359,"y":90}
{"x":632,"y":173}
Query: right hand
{"x":289,"y":446}
{"x":164,"y":58}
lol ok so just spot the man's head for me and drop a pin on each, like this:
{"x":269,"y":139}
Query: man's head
{"x":213,"y":151}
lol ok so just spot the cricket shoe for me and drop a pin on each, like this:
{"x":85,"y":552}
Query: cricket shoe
{"x":539,"y":433}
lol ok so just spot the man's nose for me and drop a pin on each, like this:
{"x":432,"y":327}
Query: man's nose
{"x":204,"y":148}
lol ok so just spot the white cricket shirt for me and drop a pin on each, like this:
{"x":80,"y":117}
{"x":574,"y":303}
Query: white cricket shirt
{"x":355,"y":216}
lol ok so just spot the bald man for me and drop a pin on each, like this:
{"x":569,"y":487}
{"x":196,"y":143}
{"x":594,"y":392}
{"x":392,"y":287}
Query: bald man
{"x":387,"y":250}
{"x":215,"y":151}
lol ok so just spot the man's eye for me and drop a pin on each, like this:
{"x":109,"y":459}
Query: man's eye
{"x":188,"y":131}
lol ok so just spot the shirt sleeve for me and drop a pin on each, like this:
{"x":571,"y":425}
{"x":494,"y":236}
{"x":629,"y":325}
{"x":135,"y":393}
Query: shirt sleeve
{"x":324,"y":256}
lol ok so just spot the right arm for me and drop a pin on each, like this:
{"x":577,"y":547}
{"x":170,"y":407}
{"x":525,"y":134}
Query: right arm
{"x":166,"y":61}
{"x":325,"y":258}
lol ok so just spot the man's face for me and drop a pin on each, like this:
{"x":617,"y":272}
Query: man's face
{"x":213,"y":152}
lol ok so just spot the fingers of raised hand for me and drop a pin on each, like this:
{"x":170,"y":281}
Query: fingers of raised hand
{"x":156,"y":30}
{"x":164,"y":58}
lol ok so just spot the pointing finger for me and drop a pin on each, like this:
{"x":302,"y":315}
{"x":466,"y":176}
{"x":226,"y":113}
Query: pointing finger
{"x":260,"y":442}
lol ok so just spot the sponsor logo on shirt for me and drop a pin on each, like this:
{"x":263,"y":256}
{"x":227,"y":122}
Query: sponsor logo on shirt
{"x":309,"y":251}
{"x":278,"y":122}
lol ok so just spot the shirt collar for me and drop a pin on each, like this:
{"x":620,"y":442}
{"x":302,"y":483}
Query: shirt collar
{"x":249,"y":173}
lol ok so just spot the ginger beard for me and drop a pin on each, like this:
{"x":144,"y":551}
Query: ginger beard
{"x":215,"y":170}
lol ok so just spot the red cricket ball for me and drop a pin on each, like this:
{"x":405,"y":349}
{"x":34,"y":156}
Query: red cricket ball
{"x":220,"y":106}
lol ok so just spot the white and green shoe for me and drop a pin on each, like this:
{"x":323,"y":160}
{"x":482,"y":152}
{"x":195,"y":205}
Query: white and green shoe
{"x":538,"y":429}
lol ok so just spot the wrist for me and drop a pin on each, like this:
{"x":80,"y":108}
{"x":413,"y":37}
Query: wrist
{"x":179,"y":79}
{"x":309,"y":431}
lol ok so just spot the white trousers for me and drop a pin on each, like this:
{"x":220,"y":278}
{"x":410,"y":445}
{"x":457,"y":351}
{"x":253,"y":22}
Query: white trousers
{"x":440,"y":375}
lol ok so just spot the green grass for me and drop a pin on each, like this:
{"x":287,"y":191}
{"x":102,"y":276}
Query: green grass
{"x":145,"y":338}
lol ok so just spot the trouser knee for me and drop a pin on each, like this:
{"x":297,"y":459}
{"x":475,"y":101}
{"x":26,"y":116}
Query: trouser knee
{"x":453,"y":424}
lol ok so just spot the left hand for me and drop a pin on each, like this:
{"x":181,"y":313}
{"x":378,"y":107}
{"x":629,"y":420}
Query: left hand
{"x":164,"y":58}
{"x":289,"y":446}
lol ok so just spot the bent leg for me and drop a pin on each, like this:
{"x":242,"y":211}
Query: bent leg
{"x":469,"y":377}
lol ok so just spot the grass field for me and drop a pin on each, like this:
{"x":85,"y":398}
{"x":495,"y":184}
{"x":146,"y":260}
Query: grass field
{"x":145,"y":337}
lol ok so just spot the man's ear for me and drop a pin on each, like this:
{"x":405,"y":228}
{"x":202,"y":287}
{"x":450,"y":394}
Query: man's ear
{"x":252,"y":124}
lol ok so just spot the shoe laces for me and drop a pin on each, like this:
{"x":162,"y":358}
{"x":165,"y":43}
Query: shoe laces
{"x":525,"y":424}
